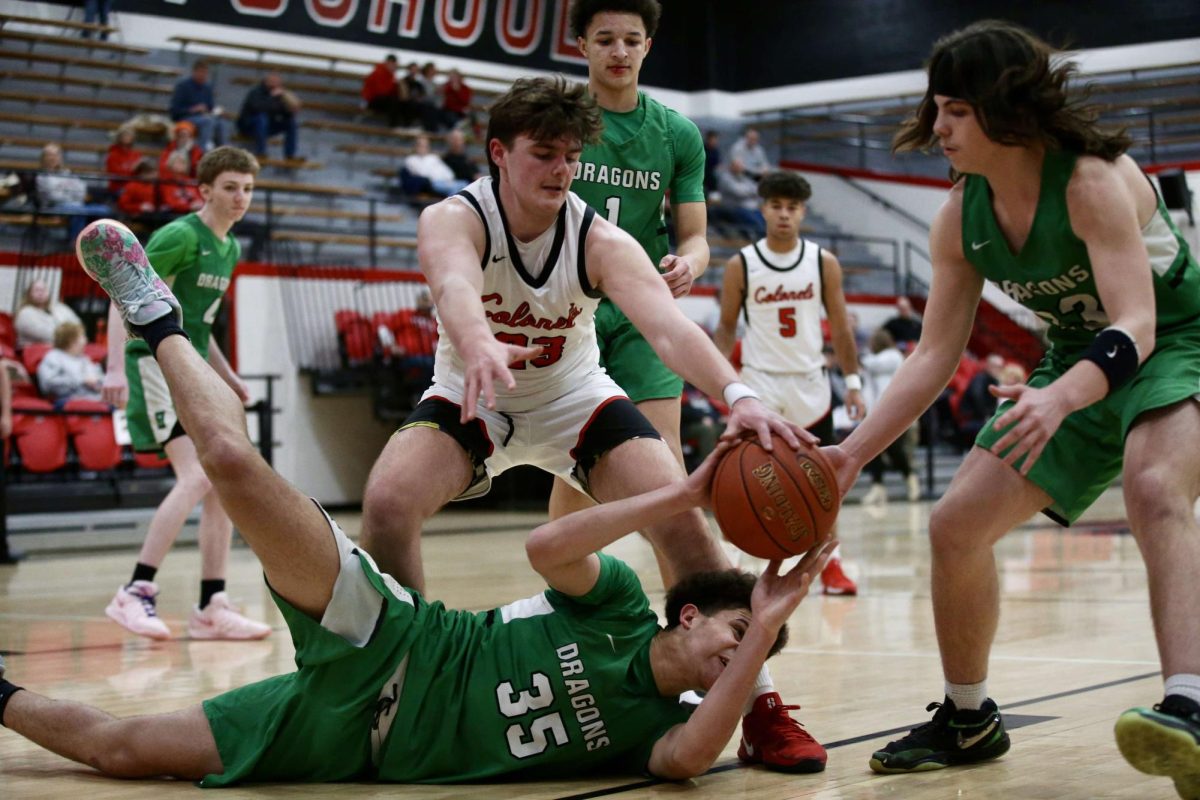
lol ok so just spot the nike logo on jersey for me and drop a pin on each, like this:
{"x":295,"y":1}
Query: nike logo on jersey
{"x":498,"y":258}
{"x":1112,"y":353}
{"x":970,"y":741}
{"x":611,"y":643}
{"x":978,"y":245}
{"x":204,"y":253}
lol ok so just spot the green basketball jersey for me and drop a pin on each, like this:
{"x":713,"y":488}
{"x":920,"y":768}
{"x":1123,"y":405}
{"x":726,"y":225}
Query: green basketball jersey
{"x":1052,"y":274}
{"x":641,"y":155}
{"x":198,"y":268}
{"x":548,"y":686}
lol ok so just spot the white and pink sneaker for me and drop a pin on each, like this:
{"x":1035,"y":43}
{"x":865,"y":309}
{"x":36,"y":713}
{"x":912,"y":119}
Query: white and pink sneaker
{"x":133,"y":608}
{"x":218,"y":620}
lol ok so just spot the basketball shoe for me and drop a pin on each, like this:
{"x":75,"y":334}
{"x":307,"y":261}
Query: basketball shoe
{"x":951,"y":738}
{"x":113,"y":257}
{"x":218,"y":620}
{"x":835,"y":581}
{"x":133,"y":607}
{"x":1164,"y":740}
{"x":772,"y":738}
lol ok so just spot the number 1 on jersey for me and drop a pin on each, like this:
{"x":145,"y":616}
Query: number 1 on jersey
{"x":612,"y":209}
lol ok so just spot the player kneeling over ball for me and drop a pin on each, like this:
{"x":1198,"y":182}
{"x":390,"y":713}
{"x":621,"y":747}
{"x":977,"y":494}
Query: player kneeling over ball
{"x":579,"y":677}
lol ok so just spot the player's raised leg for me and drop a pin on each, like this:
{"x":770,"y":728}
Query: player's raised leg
{"x":286,"y":530}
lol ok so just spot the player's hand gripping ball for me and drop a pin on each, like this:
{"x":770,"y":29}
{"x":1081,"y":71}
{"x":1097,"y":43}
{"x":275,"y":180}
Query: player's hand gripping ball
{"x":778,"y":504}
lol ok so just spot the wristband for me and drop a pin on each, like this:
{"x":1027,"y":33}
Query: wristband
{"x":853,"y":383}
{"x":737,"y":391}
{"x":7,"y":690}
{"x":1115,"y":352}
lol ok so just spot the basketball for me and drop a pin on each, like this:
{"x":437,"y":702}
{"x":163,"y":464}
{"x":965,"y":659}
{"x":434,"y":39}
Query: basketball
{"x":775,"y":505}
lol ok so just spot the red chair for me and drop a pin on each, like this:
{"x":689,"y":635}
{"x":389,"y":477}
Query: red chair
{"x":358,"y":341}
{"x":96,"y":352}
{"x":8,"y":331}
{"x":41,"y":439}
{"x":33,"y":354}
{"x":344,"y":318}
{"x":151,"y":460}
{"x":89,"y":422}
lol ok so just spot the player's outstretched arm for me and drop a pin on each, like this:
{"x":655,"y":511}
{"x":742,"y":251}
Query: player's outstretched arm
{"x":689,"y":749}
{"x":841,"y":332}
{"x":450,"y":244}
{"x":563,"y":550}
{"x":733,"y":296}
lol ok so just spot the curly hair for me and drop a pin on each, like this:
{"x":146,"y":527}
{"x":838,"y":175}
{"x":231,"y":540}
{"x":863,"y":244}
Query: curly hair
{"x":545,"y":109}
{"x":1019,"y":94}
{"x":716,"y":591}
{"x":582,"y":12}
{"x":787,"y":185}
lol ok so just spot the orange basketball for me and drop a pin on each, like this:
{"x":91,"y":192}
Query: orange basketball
{"x":778,"y":504}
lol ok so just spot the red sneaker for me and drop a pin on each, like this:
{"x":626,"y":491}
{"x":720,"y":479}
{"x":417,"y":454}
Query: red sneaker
{"x":835,"y":581}
{"x":772,"y":738}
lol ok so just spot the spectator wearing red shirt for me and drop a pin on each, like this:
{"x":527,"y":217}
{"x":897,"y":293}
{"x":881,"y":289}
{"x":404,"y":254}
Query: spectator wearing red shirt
{"x":140,"y":195}
{"x":178,"y":190}
{"x":456,"y":97}
{"x":185,"y":142}
{"x":122,"y":157}
{"x":384,"y":95}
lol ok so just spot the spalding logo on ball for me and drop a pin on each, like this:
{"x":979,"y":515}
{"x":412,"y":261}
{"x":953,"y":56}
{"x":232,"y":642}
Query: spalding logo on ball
{"x":778,"y":504}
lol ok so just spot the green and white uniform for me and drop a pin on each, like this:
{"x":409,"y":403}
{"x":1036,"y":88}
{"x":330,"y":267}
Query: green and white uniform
{"x":642,"y":154}
{"x":1052,"y":276}
{"x":391,"y":687}
{"x":198,"y":267}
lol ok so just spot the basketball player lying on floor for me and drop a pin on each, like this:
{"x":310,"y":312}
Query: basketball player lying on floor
{"x":576,"y":678}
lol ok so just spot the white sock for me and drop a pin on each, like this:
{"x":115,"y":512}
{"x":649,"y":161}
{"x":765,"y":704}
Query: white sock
{"x":967,"y":696}
{"x":762,"y":685}
{"x":1183,"y":684}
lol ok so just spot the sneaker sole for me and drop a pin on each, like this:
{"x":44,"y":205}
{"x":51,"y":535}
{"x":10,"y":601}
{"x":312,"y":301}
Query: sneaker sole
{"x":205,"y":636}
{"x":839,"y":592}
{"x":108,"y":612}
{"x":932,"y":764}
{"x":805,"y":767}
{"x":1156,"y":748}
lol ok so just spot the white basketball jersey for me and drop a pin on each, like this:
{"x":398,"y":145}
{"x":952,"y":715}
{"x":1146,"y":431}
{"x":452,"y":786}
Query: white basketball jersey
{"x":534,"y":294}
{"x":782,"y":308}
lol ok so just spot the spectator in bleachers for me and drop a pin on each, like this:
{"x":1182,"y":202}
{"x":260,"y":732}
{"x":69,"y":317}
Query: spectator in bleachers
{"x":905,"y":327}
{"x":270,"y":109}
{"x":462,"y":165}
{"x":184,"y":141}
{"x":39,"y":316}
{"x":122,"y":157}
{"x":423,"y":93}
{"x":424,"y":172}
{"x":178,"y":192}
{"x":879,"y":367}
{"x":456,"y":98}
{"x":96,"y":12}
{"x":739,"y":199}
{"x":712,"y":160}
{"x":65,"y":373}
{"x":384,"y":95}
{"x":59,"y":191}
{"x":193,"y":101}
{"x":139,"y":197}
{"x":978,"y":404}
{"x":752,"y":155}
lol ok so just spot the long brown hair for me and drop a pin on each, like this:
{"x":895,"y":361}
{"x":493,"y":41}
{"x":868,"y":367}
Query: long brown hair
{"x":1020,"y":97}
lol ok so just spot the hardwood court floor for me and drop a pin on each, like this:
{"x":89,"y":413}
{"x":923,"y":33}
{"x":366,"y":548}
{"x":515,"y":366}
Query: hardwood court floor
{"x":1074,"y":650}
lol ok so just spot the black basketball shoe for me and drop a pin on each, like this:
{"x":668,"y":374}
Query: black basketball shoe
{"x":1164,"y":740}
{"x":951,"y":738}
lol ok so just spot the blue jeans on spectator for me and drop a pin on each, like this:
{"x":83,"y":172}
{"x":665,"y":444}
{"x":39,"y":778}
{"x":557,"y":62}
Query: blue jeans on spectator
{"x":262,"y":126}
{"x":96,"y":11}
{"x":211,"y":131}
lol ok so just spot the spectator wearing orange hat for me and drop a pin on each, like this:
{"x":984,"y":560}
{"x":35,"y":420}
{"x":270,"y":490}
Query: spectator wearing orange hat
{"x":185,"y":142}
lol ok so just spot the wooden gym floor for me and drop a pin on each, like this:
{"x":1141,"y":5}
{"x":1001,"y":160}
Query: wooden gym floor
{"x":1074,"y":649}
